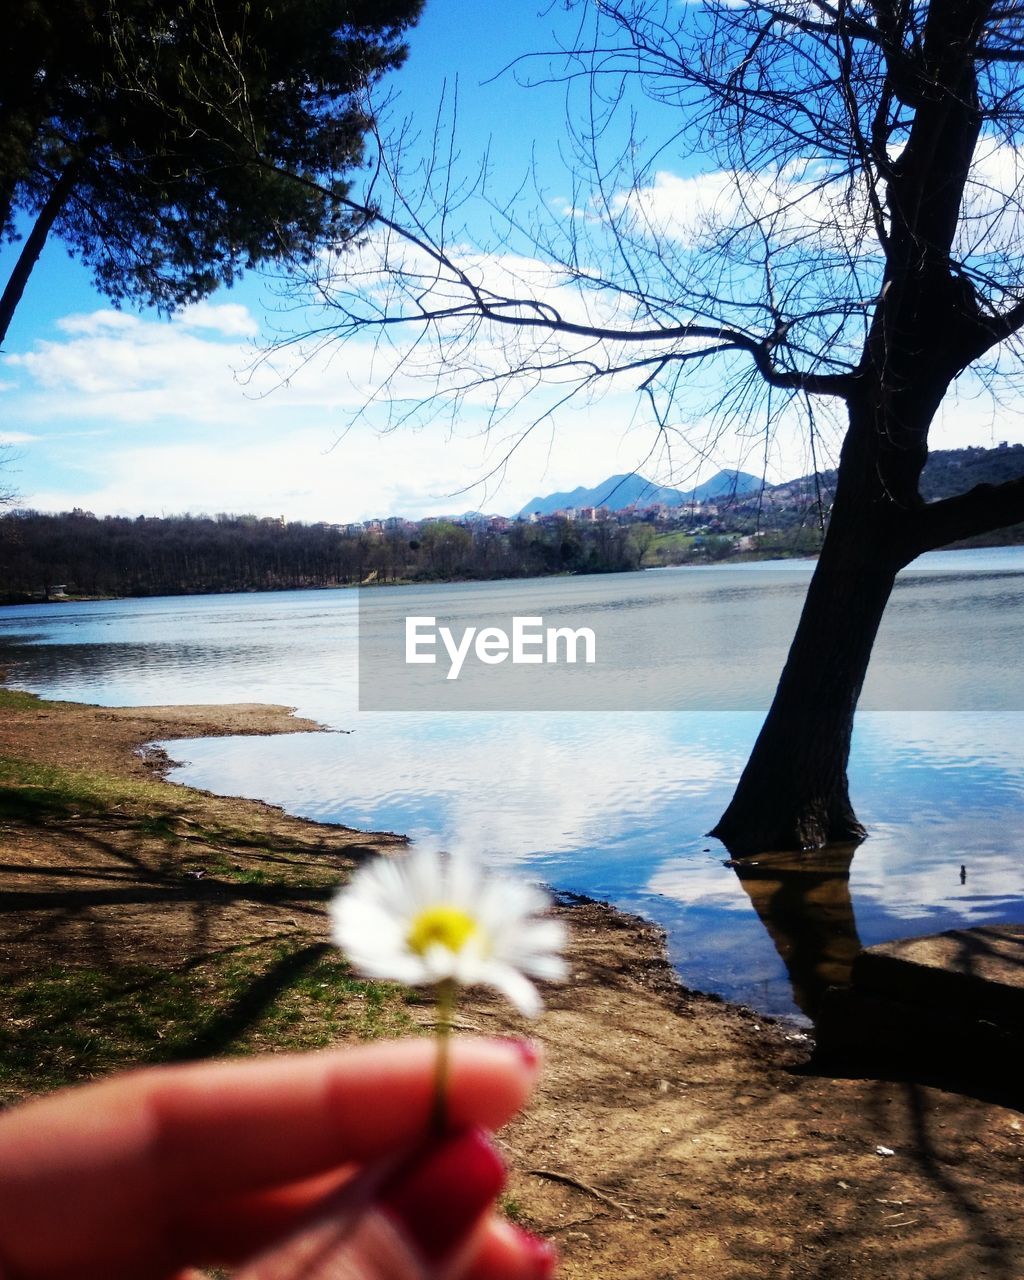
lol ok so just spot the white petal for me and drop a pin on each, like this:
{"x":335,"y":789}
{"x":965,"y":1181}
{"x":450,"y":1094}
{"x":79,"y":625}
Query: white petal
{"x":372,"y":917}
{"x":465,"y":883}
{"x":515,"y":988}
{"x":408,"y":970}
{"x":550,"y":968}
{"x":471,"y":961}
{"x":424,"y":873}
{"x":538,"y":941}
{"x":439,"y":962}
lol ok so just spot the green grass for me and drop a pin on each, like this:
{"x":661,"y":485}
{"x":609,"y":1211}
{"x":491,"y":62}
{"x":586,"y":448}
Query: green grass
{"x":512,"y":1208}
{"x":162,"y":826}
{"x":15,"y":700}
{"x":77,"y":1020}
{"x":669,"y":548}
{"x":35,"y":791}
{"x":62,"y":1026}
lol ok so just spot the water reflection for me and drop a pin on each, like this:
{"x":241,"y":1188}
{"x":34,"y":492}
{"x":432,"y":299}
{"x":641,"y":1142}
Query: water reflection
{"x":614,"y":804}
{"x":804,"y":902}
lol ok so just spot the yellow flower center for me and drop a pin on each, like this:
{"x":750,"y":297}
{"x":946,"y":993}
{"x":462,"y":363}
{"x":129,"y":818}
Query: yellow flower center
{"x":447,"y":926}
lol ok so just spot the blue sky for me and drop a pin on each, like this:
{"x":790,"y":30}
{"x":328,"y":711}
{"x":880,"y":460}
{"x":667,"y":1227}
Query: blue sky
{"x":129,"y":413}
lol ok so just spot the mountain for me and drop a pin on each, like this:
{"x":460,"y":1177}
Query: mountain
{"x":620,"y":493}
{"x":726,"y":484}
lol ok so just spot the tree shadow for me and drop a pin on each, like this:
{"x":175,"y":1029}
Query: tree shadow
{"x":229,"y":1025}
{"x":106,"y":890}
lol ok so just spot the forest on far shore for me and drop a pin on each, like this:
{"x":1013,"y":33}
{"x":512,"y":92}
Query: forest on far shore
{"x":78,"y":554}
{"x":45,"y":556}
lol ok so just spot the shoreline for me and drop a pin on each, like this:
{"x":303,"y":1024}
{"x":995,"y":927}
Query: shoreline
{"x":673,"y":1134}
{"x":738,"y":560}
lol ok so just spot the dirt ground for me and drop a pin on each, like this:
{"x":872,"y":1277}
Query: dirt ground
{"x":673,"y":1135}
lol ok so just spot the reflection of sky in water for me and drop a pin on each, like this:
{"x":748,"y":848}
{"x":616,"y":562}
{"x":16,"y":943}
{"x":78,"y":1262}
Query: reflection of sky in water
{"x":612,"y":804}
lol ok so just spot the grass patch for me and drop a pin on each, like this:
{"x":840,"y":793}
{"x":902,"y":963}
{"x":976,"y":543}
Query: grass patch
{"x":511,"y":1207}
{"x":669,"y":548}
{"x":235,"y":835}
{"x":33,"y":791}
{"x":16,"y":700}
{"x":162,"y":826}
{"x":62,"y":1026}
{"x":278,"y":876}
{"x":70,"y":1019}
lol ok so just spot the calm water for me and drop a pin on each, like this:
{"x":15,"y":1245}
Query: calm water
{"x":614,"y":804}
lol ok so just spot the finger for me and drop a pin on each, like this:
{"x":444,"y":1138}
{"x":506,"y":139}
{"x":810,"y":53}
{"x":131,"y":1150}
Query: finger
{"x":432,"y":1217}
{"x":498,"y":1251}
{"x":505,"y":1252}
{"x":128,"y":1157}
{"x":229,"y":1231}
{"x":375,"y":1249}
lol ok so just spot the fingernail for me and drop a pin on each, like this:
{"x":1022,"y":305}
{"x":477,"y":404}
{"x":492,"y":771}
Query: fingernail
{"x":437,"y":1199}
{"x":542,"y":1254}
{"x":528,"y":1050}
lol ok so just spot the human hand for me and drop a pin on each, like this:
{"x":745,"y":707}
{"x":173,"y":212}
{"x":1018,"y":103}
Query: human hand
{"x":311,"y":1167}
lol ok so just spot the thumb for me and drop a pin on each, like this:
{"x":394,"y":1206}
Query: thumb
{"x":416,"y":1225}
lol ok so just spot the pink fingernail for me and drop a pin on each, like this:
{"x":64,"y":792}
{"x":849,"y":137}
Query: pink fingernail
{"x":438,"y":1197}
{"x":528,"y":1050}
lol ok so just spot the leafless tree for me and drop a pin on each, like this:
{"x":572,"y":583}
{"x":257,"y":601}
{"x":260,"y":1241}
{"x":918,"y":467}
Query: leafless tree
{"x":8,"y":494}
{"x":854,"y":247}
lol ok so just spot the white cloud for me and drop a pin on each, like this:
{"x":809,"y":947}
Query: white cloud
{"x":228,"y":318}
{"x":800,"y":203}
{"x":295,"y":474}
{"x":306,"y":472}
{"x":127,"y":369}
{"x":186,"y":415}
{"x":94,"y":322}
{"x":183,"y":416}
{"x":231,"y":319}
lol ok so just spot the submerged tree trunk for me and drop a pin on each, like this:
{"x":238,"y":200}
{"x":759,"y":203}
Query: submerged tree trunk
{"x":793,"y":793}
{"x":803,"y":900}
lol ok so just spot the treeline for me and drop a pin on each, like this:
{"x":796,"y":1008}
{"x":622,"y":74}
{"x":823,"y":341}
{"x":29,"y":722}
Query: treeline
{"x":78,"y":554}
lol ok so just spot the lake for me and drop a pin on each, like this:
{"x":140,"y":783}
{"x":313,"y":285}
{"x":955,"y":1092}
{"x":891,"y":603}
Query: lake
{"x":611,"y":797}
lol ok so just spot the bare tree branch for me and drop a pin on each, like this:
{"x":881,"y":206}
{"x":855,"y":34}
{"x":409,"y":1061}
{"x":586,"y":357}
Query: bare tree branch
{"x":982,"y":509}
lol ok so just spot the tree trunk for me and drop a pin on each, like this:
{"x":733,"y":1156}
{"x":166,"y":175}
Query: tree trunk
{"x":33,"y":247}
{"x":793,"y":793}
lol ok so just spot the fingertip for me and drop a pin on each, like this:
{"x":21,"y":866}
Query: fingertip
{"x":531,"y":1052}
{"x":504,"y":1251}
{"x":490,"y":1080}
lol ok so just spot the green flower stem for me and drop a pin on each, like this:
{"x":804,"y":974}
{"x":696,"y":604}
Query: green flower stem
{"x":445,"y":1013}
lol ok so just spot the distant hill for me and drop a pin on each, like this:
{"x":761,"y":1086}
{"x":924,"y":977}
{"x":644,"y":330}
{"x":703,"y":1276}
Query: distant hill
{"x":952,"y":471}
{"x":947,"y":471}
{"x":625,"y":492}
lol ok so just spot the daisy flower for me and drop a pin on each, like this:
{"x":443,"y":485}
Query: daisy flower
{"x":432,"y":919}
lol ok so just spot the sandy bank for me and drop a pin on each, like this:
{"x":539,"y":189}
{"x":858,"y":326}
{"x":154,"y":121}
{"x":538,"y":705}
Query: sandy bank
{"x":674,"y":1135}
